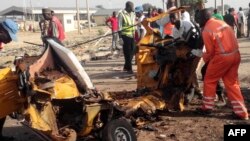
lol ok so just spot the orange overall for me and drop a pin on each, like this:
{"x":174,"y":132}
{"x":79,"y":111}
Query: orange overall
{"x":168,"y":28}
{"x":224,"y":59}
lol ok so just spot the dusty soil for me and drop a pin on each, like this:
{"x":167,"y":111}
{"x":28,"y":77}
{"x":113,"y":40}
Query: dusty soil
{"x":107,"y":76}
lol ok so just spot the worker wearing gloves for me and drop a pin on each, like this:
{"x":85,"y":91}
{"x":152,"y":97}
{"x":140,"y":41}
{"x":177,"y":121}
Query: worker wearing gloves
{"x":224,"y":58}
{"x":8,"y":30}
{"x":126,"y":20}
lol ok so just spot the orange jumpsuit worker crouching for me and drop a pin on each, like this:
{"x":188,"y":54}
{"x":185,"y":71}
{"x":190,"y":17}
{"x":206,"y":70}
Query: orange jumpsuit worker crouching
{"x":224,"y":59}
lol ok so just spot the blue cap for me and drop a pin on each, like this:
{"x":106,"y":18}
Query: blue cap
{"x":12,"y":28}
{"x":138,"y":9}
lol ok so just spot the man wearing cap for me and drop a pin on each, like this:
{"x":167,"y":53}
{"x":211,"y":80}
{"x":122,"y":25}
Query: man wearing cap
{"x":55,"y":28}
{"x":8,"y":30}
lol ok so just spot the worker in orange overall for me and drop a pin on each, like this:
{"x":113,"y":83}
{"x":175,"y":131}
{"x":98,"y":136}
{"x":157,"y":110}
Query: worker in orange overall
{"x":222,"y":53}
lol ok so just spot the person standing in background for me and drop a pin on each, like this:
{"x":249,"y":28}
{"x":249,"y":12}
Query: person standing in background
{"x":55,"y":28}
{"x":230,"y":20}
{"x":126,"y":20}
{"x":241,"y":22}
{"x":154,"y":13}
{"x":248,"y":21}
{"x":141,"y":31}
{"x":236,"y":27}
{"x":217,"y":15}
{"x":112,"y":22}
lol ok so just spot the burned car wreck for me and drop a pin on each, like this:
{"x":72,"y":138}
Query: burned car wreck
{"x":56,"y":98}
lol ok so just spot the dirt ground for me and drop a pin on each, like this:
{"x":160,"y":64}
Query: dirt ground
{"x":107,"y":76}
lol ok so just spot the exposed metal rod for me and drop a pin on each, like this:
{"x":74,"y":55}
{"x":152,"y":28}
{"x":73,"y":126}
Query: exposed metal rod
{"x":163,"y":5}
{"x":89,"y":22}
{"x":222,"y":5}
{"x":77,"y":16}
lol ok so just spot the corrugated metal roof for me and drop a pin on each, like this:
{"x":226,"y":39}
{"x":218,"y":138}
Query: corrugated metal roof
{"x":14,"y":10}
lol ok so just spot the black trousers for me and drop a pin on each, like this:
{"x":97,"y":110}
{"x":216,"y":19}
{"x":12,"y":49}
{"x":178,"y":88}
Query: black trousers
{"x":248,"y":27}
{"x":128,"y":51}
{"x":219,"y":88}
{"x":2,"y":120}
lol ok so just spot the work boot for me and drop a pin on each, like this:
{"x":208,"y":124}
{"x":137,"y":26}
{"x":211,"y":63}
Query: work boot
{"x":198,"y":93}
{"x":220,"y":101}
{"x":130,"y":72}
{"x":237,"y":117}
{"x":201,"y":111}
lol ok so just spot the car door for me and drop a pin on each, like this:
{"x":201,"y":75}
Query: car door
{"x":10,"y":100}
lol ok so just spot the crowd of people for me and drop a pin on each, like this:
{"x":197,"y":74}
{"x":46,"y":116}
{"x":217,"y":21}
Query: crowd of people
{"x":238,"y":21}
{"x":218,"y":34}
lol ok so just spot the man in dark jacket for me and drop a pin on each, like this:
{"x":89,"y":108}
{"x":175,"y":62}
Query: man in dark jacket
{"x":229,"y":18}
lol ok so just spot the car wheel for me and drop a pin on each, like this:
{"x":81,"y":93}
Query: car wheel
{"x":118,"y":130}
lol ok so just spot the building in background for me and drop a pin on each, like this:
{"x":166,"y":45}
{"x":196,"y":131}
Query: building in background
{"x":28,"y":18}
{"x":102,"y":14}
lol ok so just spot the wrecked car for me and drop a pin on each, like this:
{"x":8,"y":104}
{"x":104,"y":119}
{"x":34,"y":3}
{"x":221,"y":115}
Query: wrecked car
{"x":165,"y":75}
{"x":55,"y":97}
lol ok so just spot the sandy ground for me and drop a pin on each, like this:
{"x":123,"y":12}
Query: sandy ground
{"x":107,"y":76}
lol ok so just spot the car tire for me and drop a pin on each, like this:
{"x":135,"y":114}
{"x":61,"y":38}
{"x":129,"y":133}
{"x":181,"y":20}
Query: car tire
{"x":118,"y":130}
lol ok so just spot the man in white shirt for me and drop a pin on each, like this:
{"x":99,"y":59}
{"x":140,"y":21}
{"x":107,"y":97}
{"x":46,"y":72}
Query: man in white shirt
{"x":184,"y":30}
{"x":185,"y":16}
{"x":241,"y":22}
{"x":141,"y":31}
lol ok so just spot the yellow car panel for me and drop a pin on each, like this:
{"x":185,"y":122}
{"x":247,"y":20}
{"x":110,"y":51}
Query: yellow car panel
{"x":10,"y":100}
